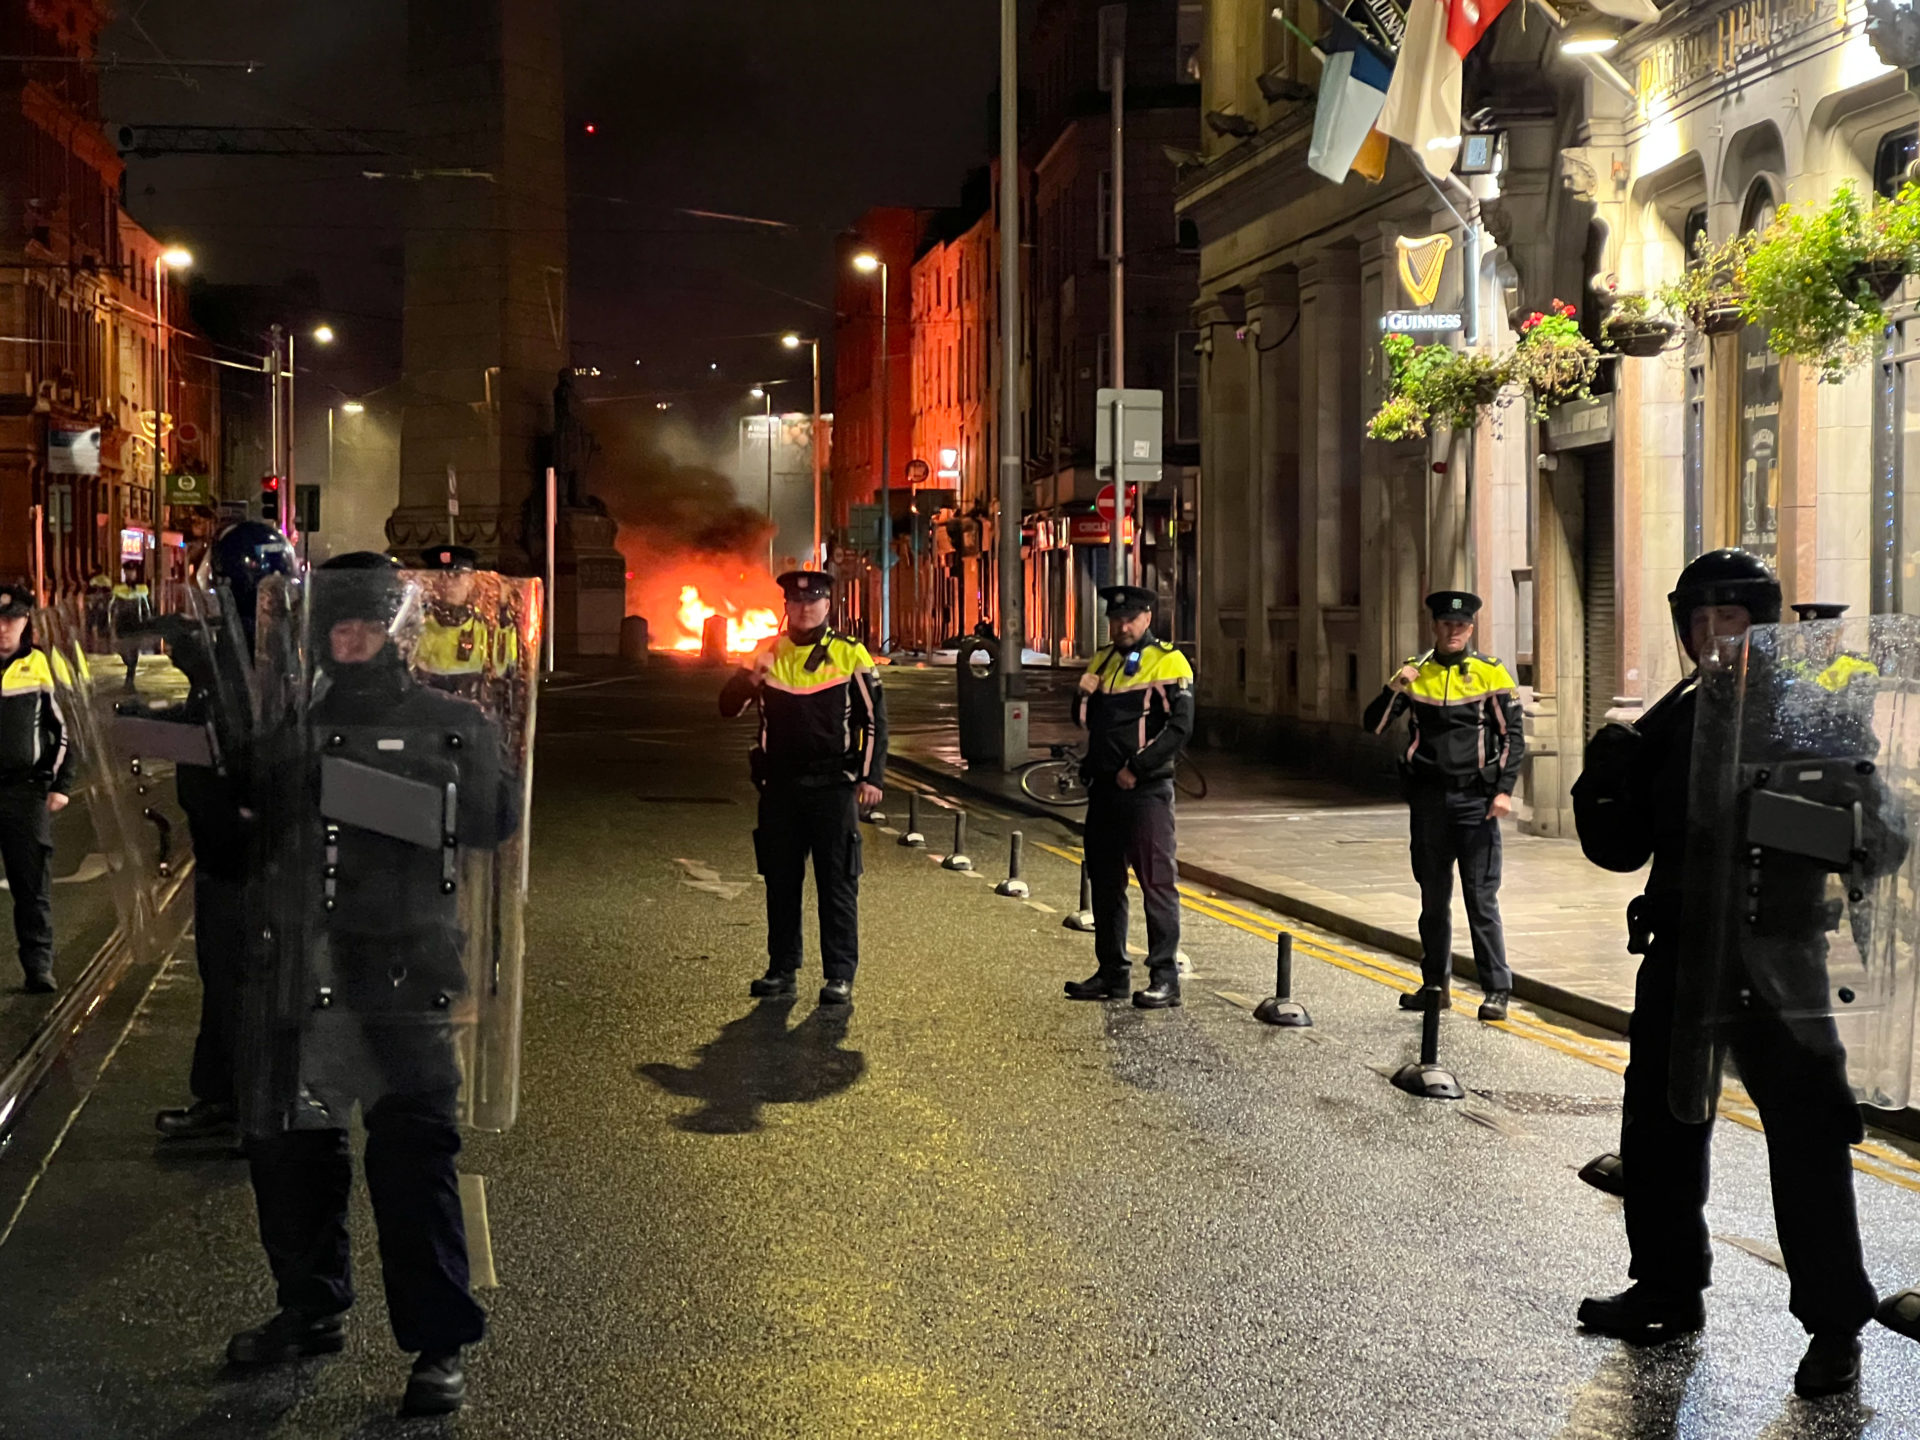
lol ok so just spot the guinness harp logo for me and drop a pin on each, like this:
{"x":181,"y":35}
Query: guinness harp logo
{"x":1420,"y":265}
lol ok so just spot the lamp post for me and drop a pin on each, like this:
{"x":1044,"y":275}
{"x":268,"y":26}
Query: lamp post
{"x":867,"y":263}
{"x":174,"y":257}
{"x":1013,"y":711}
{"x":765,"y":392}
{"x":322,"y":335}
{"x":794,"y":342}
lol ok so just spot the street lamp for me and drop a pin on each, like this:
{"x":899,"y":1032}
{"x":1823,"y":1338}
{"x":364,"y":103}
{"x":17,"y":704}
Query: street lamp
{"x":323,"y":333}
{"x":765,"y":393}
{"x":867,"y":263}
{"x":794,"y":342}
{"x":174,"y":257}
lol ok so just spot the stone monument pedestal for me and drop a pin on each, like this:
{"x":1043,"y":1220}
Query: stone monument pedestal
{"x":590,"y":584}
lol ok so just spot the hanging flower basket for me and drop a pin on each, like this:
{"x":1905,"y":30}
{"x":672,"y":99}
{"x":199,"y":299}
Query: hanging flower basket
{"x":1642,"y":339}
{"x":1879,"y":278}
{"x":1553,"y":359}
{"x":1721,"y":320}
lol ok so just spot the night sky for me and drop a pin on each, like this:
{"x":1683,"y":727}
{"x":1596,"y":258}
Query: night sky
{"x":806,"y":113}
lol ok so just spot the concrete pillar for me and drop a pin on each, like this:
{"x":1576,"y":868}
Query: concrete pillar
{"x":1258,"y":691}
{"x":1223,"y":554}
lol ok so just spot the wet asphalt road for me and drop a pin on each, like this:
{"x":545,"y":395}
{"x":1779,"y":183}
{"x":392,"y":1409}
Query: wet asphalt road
{"x":970,"y":1209}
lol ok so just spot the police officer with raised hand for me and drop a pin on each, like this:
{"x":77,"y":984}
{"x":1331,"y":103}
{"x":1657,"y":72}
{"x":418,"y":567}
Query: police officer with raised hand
{"x":1459,"y":772}
{"x":36,"y":780}
{"x":1136,"y":703}
{"x":820,"y":760}
{"x":396,"y":793}
{"x":1632,"y":804}
{"x":215,"y":797}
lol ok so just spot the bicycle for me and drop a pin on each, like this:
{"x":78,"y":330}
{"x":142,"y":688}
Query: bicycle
{"x":1056,"y":780}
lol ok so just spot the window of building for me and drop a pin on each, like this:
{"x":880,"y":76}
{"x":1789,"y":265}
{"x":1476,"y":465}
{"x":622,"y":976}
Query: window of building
{"x":1186,"y":236}
{"x":1894,"y":547}
{"x":1186,"y":387}
{"x":1693,"y":232}
{"x":1898,"y":149}
{"x":1189,"y":43}
{"x":1103,"y":215}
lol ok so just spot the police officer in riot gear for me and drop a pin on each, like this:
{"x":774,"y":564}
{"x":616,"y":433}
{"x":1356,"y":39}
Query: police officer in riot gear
{"x":379,"y":919}
{"x":217,"y":805}
{"x":1136,"y":703}
{"x":821,"y":760}
{"x":1631,"y":804}
{"x":1463,"y":710}
{"x":36,"y":779}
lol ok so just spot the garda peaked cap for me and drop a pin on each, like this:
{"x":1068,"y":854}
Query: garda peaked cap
{"x":16,"y":601}
{"x":806,"y":584}
{"x":1453,"y":604}
{"x":450,"y":557}
{"x":1819,"y":610}
{"x":1123,"y":600}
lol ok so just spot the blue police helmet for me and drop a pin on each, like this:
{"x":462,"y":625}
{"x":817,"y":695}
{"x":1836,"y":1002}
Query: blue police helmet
{"x":244,"y":554}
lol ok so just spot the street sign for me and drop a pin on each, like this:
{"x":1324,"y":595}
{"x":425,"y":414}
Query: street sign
{"x":1103,"y":502}
{"x":185,"y":488}
{"x":1141,"y":415}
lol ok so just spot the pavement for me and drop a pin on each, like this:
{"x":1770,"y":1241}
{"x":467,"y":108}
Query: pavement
{"x":969,"y":1208}
{"x":1324,"y":852}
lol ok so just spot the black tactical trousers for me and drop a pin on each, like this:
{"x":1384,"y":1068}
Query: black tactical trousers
{"x":818,"y":820}
{"x":219,"y":934}
{"x":1796,"y":1076}
{"x":301,"y":1181}
{"x":1450,"y":828}
{"x":26,"y":851}
{"x":1133,"y":829}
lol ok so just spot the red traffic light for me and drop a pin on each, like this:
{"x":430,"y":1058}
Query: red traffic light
{"x":270,"y":483}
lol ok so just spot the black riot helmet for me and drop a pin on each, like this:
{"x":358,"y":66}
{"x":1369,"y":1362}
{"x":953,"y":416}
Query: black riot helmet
{"x":360,"y":585}
{"x":1724,"y":577}
{"x":243,"y":555}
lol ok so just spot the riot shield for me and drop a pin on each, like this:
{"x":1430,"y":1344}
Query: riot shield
{"x":1797,"y":955}
{"x":394,"y":880}
{"x":133,"y":730}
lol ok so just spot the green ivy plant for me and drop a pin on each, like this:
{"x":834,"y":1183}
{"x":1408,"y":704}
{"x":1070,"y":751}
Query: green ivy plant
{"x":1817,"y":277}
{"x":1710,"y":282}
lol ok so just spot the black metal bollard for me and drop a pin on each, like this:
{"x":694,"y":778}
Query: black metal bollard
{"x":913,"y":836}
{"x":1013,"y":885}
{"x":1082,"y":919}
{"x":1424,"y":1077}
{"x":958,"y":859}
{"x":1280,"y":1008}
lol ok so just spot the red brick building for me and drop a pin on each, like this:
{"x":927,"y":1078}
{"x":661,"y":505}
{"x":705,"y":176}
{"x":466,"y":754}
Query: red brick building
{"x":79,"y":326}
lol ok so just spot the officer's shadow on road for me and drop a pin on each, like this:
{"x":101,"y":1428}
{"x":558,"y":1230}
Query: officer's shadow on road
{"x":1636,"y":1394}
{"x":755,"y":1061}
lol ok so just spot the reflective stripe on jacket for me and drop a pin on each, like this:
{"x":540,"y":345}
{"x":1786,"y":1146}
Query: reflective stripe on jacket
{"x":1140,"y":715}
{"x":34,"y":743}
{"x":1463,"y":721}
{"x":822,"y":715}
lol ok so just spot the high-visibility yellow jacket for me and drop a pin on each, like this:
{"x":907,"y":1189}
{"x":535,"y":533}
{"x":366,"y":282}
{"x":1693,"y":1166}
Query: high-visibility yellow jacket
{"x":823,"y":718}
{"x":1464,"y":722}
{"x":1141,"y":712}
{"x":35,"y":747}
{"x":458,"y":646}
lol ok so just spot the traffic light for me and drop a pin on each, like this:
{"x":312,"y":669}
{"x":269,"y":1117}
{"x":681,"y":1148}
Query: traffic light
{"x":270,"y":498}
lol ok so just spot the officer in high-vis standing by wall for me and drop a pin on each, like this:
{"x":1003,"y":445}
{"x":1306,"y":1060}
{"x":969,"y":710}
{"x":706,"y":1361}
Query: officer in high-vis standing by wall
{"x":1136,"y":703}
{"x":36,"y":778}
{"x":1459,"y":769}
{"x":820,"y":760}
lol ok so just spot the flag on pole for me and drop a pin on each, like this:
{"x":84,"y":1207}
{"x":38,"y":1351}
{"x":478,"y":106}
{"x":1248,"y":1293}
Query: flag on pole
{"x":1422,"y":108}
{"x":1353,"y":87}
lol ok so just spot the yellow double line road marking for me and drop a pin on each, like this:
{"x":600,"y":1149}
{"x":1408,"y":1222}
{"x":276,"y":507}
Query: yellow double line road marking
{"x":1870,"y":1157}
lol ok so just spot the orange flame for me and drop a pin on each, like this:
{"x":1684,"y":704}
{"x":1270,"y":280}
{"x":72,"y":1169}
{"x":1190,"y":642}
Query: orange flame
{"x":745,"y":630}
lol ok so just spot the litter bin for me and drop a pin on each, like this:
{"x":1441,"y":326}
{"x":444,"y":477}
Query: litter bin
{"x":976,"y":670}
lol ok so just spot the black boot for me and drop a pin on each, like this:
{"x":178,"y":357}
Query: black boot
{"x":1417,"y":1000}
{"x":290,"y":1335}
{"x":1101,"y":985}
{"x":1901,"y":1313}
{"x":1162,"y":992}
{"x":1641,"y":1316}
{"x":1830,"y":1366}
{"x":1494,"y":1006}
{"x":774,"y":982}
{"x":837,"y":992}
{"x":40,"y":982}
{"x":437,"y":1386}
{"x":196,"y":1121}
